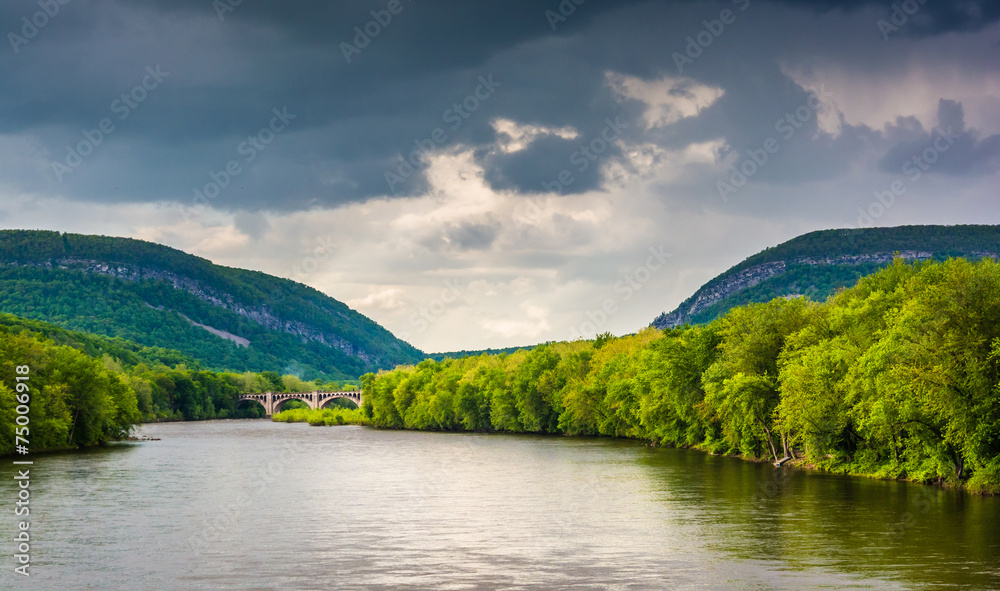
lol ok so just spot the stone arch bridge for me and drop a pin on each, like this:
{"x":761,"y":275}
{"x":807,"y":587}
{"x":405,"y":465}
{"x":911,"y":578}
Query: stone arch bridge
{"x":271,"y":401}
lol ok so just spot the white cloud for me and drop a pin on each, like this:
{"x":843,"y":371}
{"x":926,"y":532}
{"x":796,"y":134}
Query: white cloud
{"x":515,"y":136}
{"x":530,"y":324}
{"x":390,"y":298}
{"x":667,"y":99}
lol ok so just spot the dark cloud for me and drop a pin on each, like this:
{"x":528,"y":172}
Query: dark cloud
{"x":550,"y":164}
{"x":473,"y":236}
{"x":926,"y":17}
{"x":948,"y":148}
{"x":465,"y":235}
{"x":354,"y":120}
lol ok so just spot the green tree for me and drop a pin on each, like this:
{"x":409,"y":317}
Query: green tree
{"x":742,"y":385}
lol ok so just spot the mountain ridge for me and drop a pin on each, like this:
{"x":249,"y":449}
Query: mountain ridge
{"x":155,"y":283}
{"x":827,"y":260}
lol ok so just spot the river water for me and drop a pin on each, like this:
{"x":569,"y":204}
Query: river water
{"x":261,"y":505}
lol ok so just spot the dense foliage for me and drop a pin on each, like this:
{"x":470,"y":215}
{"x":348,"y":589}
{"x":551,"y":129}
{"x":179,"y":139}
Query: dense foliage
{"x":321,"y":417}
{"x":476,"y":353}
{"x":897,"y":377}
{"x":87,"y":389}
{"x":68,"y":279}
{"x":182,"y":394}
{"x":73,"y":400}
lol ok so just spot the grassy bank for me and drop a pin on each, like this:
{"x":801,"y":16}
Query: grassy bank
{"x":322,"y":417}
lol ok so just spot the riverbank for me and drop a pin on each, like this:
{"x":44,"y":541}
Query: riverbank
{"x":800,"y":462}
{"x":896,"y":378}
{"x":322,"y":417}
{"x":56,"y":449}
{"x":480,"y":512}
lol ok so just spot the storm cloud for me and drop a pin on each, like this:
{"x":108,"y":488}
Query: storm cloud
{"x":508,"y":142}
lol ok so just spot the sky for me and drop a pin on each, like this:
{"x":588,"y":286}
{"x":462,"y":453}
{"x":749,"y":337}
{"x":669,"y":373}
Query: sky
{"x":490,"y":174}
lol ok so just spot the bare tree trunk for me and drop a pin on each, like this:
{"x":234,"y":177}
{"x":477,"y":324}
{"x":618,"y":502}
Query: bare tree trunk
{"x":770,"y":441}
{"x":73,"y":428}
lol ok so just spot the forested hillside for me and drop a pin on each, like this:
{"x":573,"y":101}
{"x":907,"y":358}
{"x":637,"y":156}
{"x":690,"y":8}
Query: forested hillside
{"x":819,"y":263}
{"x":226,"y":319}
{"x":896,"y":377}
{"x":84,"y":389}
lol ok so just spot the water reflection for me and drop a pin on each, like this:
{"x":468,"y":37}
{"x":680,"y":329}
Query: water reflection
{"x":252,"y":504}
{"x":912,"y":534}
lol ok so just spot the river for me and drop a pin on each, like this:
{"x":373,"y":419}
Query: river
{"x":261,"y":505}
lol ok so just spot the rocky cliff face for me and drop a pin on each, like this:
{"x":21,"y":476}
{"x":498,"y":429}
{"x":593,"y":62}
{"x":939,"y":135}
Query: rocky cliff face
{"x":731,"y":283}
{"x":259,"y":314}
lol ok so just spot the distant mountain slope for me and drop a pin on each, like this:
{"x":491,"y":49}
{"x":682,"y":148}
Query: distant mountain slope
{"x":128,"y":353}
{"x":158,"y":296}
{"x":819,"y":263}
{"x":476,"y":353}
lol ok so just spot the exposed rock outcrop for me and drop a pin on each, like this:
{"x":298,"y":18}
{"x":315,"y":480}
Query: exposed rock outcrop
{"x":259,"y":314}
{"x":730,"y":283}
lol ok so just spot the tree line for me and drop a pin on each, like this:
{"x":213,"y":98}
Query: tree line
{"x":87,"y":389}
{"x":896,"y":377}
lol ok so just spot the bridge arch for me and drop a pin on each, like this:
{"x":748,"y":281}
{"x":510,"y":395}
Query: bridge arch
{"x":272,"y":401}
{"x":253,"y":400}
{"x":279,"y":402}
{"x":325,"y":401}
